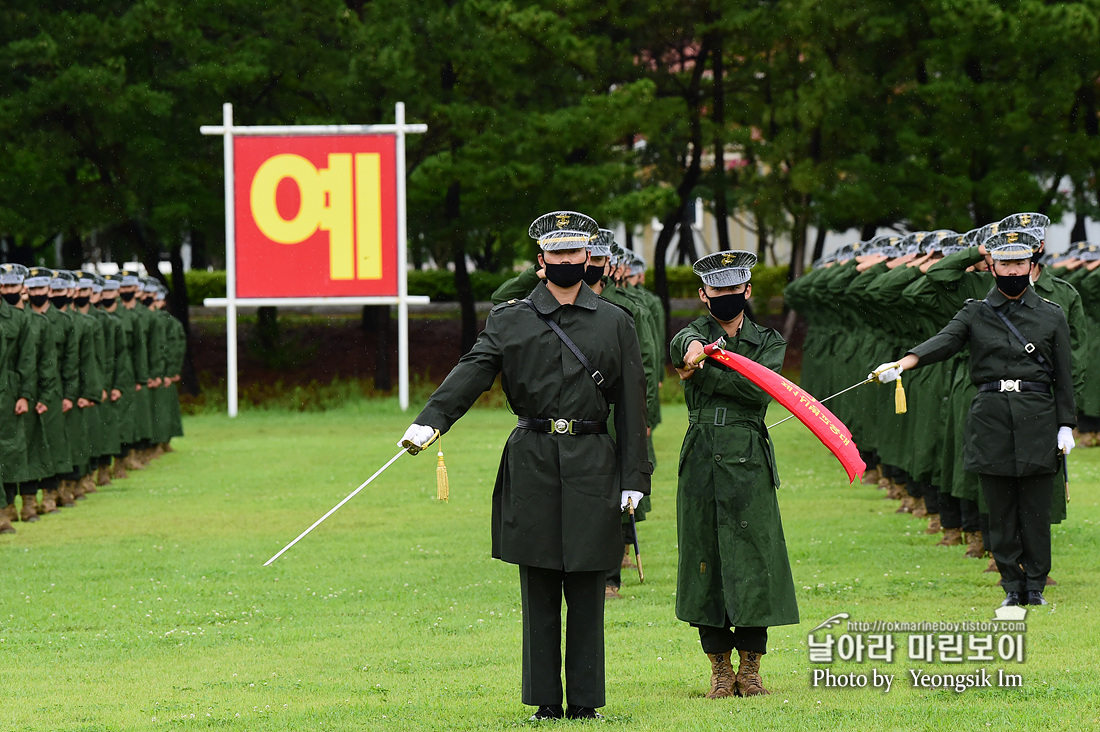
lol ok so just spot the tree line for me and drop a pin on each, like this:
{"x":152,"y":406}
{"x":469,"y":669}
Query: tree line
{"x":786,"y":115}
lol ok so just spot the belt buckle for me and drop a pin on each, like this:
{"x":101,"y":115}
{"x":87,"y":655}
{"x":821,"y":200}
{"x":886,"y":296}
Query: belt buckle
{"x":719,"y":416}
{"x":561,"y":426}
{"x":1008,"y":385}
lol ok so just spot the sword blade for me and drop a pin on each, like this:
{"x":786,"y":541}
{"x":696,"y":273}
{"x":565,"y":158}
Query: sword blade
{"x":335,"y":508}
{"x":634,"y":538}
{"x":868,"y":380}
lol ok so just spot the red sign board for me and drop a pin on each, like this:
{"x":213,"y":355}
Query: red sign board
{"x":316,"y":216}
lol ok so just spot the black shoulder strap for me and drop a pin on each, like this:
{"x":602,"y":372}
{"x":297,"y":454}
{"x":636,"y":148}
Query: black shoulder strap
{"x":1028,"y":346}
{"x":592,"y":371}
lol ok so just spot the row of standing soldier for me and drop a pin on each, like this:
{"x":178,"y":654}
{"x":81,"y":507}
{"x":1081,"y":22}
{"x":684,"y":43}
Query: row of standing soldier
{"x":872,"y":300}
{"x":88,"y":372}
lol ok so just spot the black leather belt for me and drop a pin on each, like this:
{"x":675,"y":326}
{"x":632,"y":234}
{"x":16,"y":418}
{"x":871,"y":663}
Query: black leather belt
{"x":563,"y":426}
{"x":1007,"y":385}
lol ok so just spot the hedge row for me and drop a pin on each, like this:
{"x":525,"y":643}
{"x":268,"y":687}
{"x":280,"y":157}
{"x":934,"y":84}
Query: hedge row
{"x":439,"y":285}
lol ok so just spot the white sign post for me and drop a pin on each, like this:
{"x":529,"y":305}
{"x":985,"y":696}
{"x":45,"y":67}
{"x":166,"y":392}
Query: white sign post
{"x":230,"y":302}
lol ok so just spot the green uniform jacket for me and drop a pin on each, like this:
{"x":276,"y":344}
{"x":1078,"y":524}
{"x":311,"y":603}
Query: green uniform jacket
{"x":126,"y":374}
{"x":518,"y":287}
{"x":109,"y":412}
{"x":556,"y":500}
{"x":1011,"y":434}
{"x":78,"y":420}
{"x":47,"y":392}
{"x":67,"y":350}
{"x":18,"y":380}
{"x":1088,"y":284}
{"x":733,"y":566}
{"x":168,"y":396}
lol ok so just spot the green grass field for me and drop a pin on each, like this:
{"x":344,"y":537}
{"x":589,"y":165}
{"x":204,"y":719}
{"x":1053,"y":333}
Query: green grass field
{"x":146,"y":607}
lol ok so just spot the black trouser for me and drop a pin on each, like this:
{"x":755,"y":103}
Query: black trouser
{"x":743,"y":638}
{"x":541,"y":592}
{"x":615,"y":576}
{"x":958,"y":513}
{"x":1087,"y":423}
{"x":1019,"y":528}
{"x":10,"y":491}
{"x":931,"y":498}
{"x":916,"y":489}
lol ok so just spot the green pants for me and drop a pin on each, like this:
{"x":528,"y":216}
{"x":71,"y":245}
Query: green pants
{"x":541,"y":592}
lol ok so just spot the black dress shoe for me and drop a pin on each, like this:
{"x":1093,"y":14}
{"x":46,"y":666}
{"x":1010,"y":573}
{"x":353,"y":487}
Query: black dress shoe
{"x":1012,"y":598}
{"x":549,"y":711}
{"x":1035,"y":597}
{"x":572,"y":712}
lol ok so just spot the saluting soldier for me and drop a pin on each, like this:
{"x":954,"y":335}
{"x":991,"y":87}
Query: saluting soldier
{"x":733,"y":567}
{"x":18,"y":393}
{"x":1023,"y":413}
{"x":560,"y":488}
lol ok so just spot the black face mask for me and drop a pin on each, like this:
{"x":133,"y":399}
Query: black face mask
{"x":13,"y":298}
{"x":127,"y":296}
{"x":81,"y":301}
{"x":1012,"y":285}
{"x":565,"y":275}
{"x":60,"y":301}
{"x":593,"y":274}
{"x":727,"y":307}
{"x":107,"y":303}
{"x":39,"y":300}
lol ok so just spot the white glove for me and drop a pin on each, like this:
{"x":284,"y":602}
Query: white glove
{"x":635,"y":498}
{"x":1065,"y":439}
{"x":888,"y":372}
{"x":418,"y":434}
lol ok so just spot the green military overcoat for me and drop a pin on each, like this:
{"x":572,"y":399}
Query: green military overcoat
{"x":556,"y":500}
{"x":733,"y":566}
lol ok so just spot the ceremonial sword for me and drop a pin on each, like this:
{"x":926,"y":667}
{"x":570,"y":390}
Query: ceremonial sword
{"x":406,"y":447}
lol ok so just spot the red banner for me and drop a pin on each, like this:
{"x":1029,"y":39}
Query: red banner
{"x":825,"y":426}
{"x":316,"y":216}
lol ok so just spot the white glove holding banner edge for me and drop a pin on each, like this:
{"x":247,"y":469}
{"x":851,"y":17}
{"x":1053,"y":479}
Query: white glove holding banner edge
{"x":418,"y":434}
{"x":888,"y":371}
{"x":1065,"y":439}
{"x":634,"y":496}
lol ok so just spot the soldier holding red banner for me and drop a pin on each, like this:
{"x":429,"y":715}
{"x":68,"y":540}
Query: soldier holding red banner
{"x":733,"y":566}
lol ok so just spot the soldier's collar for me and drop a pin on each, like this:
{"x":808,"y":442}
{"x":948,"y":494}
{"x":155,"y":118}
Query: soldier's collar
{"x":1045,"y":281}
{"x":750,"y":332}
{"x":546,"y":303}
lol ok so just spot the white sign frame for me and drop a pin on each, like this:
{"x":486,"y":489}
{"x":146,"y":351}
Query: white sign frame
{"x":230,"y":302}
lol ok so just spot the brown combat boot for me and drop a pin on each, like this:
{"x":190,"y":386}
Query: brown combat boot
{"x":611,"y":592}
{"x":974,"y":548}
{"x":919,"y":509}
{"x":102,"y":475}
{"x":30,"y":509}
{"x":748,"y":675}
{"x":10,"y":513}
{"x":118,"y":469}
{"x":951,"y":537}
{"x":48,"y":504}
{"x":87,"y":484}
{"x":883,"y":483}
{"x":628,"y":561}
{"x":992,"y":566}
{"x":157,"y":451}
{"x":871,"y":477}
{"x":168,"y":447}
{"x":934,"y":526}
{"x":5,"y":523}
{"x":907,"y":504}
{"x":722,"y":680}
{"x":131,"y":461}
{"x":76,"y":489}
{"x":65,"y":493}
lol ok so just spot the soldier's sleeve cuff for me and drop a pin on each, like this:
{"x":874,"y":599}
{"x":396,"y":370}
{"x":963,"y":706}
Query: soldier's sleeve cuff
{"x":645,"y":467}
